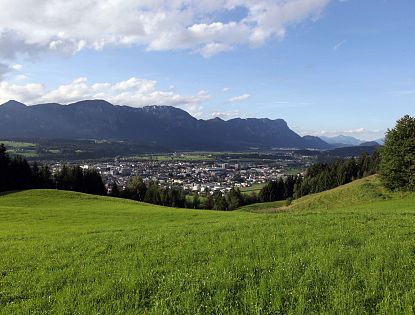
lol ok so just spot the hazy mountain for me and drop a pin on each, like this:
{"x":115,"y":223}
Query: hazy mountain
{"x":370,"y":144}
{"x":157,"y":125}
{"x":380,"y":141}
{"x":341,"y":140}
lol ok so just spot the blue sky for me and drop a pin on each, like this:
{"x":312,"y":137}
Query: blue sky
{"x":327,"y":67}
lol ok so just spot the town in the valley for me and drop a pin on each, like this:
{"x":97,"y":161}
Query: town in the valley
{"x":203,"y":174}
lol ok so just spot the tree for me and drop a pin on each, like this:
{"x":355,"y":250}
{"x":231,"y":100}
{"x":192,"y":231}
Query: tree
{"x":219,"y":202}
{"x":153,"y":194}
{"x":234,"y":199}
{"x":4,"y":167}
{"x":196,"y":202}
{"x":209,"y":202}
{"x":397,"y":165}
{"x":21,"y":174}
{"x":275,"y":190}
{"x":46,"y":177}
{"x":115,"y":192}
{"x":136,"y":188}
{"x":79,"y":179}
{"x":289,"y":187}
{"x":36,"y":176}
{"x":92,"y":183}
{"x":62,"y":178}
{"x":76,"y":179}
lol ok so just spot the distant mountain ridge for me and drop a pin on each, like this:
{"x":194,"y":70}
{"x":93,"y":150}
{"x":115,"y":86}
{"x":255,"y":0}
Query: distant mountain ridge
{"x":370,"y":144}
{"x":165,"y":126}
{"x":341,"y":140}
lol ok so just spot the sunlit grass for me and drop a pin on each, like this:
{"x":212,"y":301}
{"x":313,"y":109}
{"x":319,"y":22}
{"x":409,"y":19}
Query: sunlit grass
{"x":264,"y":206}
{"x":64,"y":252}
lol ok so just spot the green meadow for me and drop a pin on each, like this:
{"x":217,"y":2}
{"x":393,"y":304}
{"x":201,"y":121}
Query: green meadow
{"x":255,"y":188}
{"x":350,"y":250}
{"x":272,"y":206}
{"x":25,"y":149}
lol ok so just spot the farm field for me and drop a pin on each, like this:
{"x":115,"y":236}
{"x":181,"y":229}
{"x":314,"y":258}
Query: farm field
{"x":26,"y":149}
{"x":349,"y":250}
{"x":172,"y":157}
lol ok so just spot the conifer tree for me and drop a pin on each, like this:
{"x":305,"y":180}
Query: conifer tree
{"x":397,"y":166}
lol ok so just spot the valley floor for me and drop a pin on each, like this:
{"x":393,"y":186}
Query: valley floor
{"x":349,"y":250}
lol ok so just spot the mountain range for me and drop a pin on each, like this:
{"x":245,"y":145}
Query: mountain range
{"x":164,"y":126}
{"x":341,"y":140}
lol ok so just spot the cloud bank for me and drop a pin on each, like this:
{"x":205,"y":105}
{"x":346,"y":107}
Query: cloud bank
{"x":359,"y":133}
{"x":132,"y":92}
{"x":208,"y":27}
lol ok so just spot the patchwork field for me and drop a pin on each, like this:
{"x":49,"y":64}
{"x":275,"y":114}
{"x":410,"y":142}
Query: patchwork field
{"x":26,"y":149}
{"x":349,"y":250}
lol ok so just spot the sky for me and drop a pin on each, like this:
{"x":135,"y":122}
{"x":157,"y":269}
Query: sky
{"x":327,"y":67}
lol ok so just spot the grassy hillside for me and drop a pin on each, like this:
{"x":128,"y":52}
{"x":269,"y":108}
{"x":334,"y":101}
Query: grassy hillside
{"x":64,"y":252}
{"x":264,"y":206}
{"x":358,"y":193}
{"x":363,"y":191}
{"x":255,"y":188}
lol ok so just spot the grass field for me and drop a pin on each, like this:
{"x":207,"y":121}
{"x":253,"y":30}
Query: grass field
{"x":272,"y":206}
{"x":26,"y":149}
{"x":169,"y":157}
{"x":350,"y":250}
{"x":254,"y":188}
{"x":18,"y":144}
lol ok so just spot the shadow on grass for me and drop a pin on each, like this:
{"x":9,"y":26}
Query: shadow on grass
{"x":5,"y":193}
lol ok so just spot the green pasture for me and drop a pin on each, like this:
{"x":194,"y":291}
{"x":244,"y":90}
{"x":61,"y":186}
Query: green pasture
{"x":347,"y":251}
{"x":169,"y":157}
{"x":25,"y":149}
{"x":254,"y":188}
{"x":272,"y":206}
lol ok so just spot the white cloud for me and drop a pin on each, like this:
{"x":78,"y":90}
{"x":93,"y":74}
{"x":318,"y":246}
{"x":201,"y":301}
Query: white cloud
{"x":339,"y":44}
{"x":213,"y":48}
{"x":32,"y":26}
{"x":359,"y":133}
{"x":133,"y":92}
{"x":226,"y":89}
{"x":22,"y":93}
{"x":226,"y":114}
{"x":332,"y":133}
{"x":239,"y":98}
{"x":4,"y":68}
{"x":17,"y":67}
{"x":356,"y":131}
{"x":20,"y":77}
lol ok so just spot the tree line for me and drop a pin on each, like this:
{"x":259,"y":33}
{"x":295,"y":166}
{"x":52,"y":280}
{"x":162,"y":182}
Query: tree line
{"x":151,"y":192}
{"x":137,"y":190}
{"x":280,"y":189}
{"x":324,"y":176}
{"x":395,"y":162}
{"x":319,"y":177}
{"x":17,"y":174}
